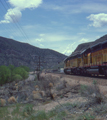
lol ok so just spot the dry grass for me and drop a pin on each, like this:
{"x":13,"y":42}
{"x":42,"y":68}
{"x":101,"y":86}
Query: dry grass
{"x":2,"y":102}
{"x":12,"y":100}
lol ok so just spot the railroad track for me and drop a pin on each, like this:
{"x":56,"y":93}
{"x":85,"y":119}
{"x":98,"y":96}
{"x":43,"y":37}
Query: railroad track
{"x":101,"y":80}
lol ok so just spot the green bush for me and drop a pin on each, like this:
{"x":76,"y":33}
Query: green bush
{"x":17,"y":77}
{"x":11,"y":67}
{"x":21,"y":71}
{"x":11,"y":73}
{"x":25,"y":68}
{"x":5,"y":74}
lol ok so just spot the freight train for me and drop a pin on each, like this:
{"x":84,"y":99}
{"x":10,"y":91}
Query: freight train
{"x":91,"y":61}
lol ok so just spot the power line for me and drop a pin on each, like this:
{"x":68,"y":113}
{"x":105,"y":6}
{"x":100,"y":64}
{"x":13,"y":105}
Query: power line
{"x":5,"y":26}
{"x":17,"y":24}
{"x":6,"y":11}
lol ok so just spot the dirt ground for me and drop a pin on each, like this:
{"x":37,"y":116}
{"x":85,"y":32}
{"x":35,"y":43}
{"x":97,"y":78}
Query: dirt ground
{"x":72,"y":99}
{"x":102,"y":83}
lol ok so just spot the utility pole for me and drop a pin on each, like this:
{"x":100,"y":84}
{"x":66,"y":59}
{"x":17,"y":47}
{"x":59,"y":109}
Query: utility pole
{"x":39,"y":64}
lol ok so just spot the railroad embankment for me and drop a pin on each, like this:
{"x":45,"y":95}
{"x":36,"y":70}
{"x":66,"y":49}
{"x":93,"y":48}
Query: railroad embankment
{"x":54,"y":96}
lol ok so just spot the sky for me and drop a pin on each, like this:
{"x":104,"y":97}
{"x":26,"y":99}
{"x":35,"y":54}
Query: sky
{"x":60,"y":25}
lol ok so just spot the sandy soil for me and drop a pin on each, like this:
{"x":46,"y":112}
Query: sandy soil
{"x":102,"y":83}
{"x":71,"y":81}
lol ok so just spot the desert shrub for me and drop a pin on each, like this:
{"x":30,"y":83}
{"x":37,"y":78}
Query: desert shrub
{"x":16,"y":110}
{"x":52,"y":113}
{"x":3,"y":113}
{"x":99,"y":98}
{"x":86,"y":116}
{"x":61,"y":85}
{"x":22,"y":97}
{"x":46,"y":84}
{"x":43,"y":83}
{"x":94,"y":82}
{"x":41,"y":115}
{"x":71,"y":105}
{"x":2,"y":102}
{"x":52,"y":79}
{"x":50,"y":85}
{"x":60,"y":116}
{"x":28,"y":110}
{"x":83,"y":89}
{"x":58,"y":113}
{"x":101,"y":109}
{"x":12,"y":99}
{"x":93,"y":94}
{"x":88,"y":90}
{"x":67,"y":107}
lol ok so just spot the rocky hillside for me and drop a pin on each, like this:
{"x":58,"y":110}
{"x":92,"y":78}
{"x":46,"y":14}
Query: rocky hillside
{"x":83,"y":46}
{"x":17,"y":53}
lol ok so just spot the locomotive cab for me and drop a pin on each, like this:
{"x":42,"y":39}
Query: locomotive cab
{"x":92,"y":60}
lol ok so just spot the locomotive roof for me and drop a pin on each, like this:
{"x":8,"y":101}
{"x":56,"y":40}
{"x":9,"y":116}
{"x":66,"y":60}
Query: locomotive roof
{"x":100,"y":43}
{"x":104,"y":42}
{"x":88,"y":46}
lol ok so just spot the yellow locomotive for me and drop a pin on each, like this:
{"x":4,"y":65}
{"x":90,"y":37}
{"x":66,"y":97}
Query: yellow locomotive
{"x":92,"y":60}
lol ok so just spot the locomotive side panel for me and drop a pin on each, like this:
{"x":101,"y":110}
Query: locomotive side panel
{"x":97,"y":57}
{"x":104,"y":55}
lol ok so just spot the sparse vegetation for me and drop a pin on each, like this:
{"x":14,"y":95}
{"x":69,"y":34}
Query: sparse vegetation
{"x":27,"y":110}
{"x":50,"y":88}
{"x":86,"y":116}
{"x":2,"y":102}
{"x":93,"y":93}
{"x":12,"y":99}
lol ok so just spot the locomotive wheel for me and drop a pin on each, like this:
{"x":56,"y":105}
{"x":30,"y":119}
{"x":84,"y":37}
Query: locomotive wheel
{"x":84,"y":72}
{"x":105,"y":73}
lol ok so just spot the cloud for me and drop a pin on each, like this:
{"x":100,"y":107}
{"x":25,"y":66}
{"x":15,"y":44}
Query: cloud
{"x":11,"y":37}
{"x":53,"y":37}
{"x":14,"y":14}
{"x":81,"y":33}
{"x":69,"y":49}
{"x":99,"y":20}
{"x":41,"y":35}
{"x":39,"y":40}
{"x":74,"y":7}
{"x":23,"y":4}
{"x":83,"y":40}
{"x":41,"y":45}
{"x":56,"y":37}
